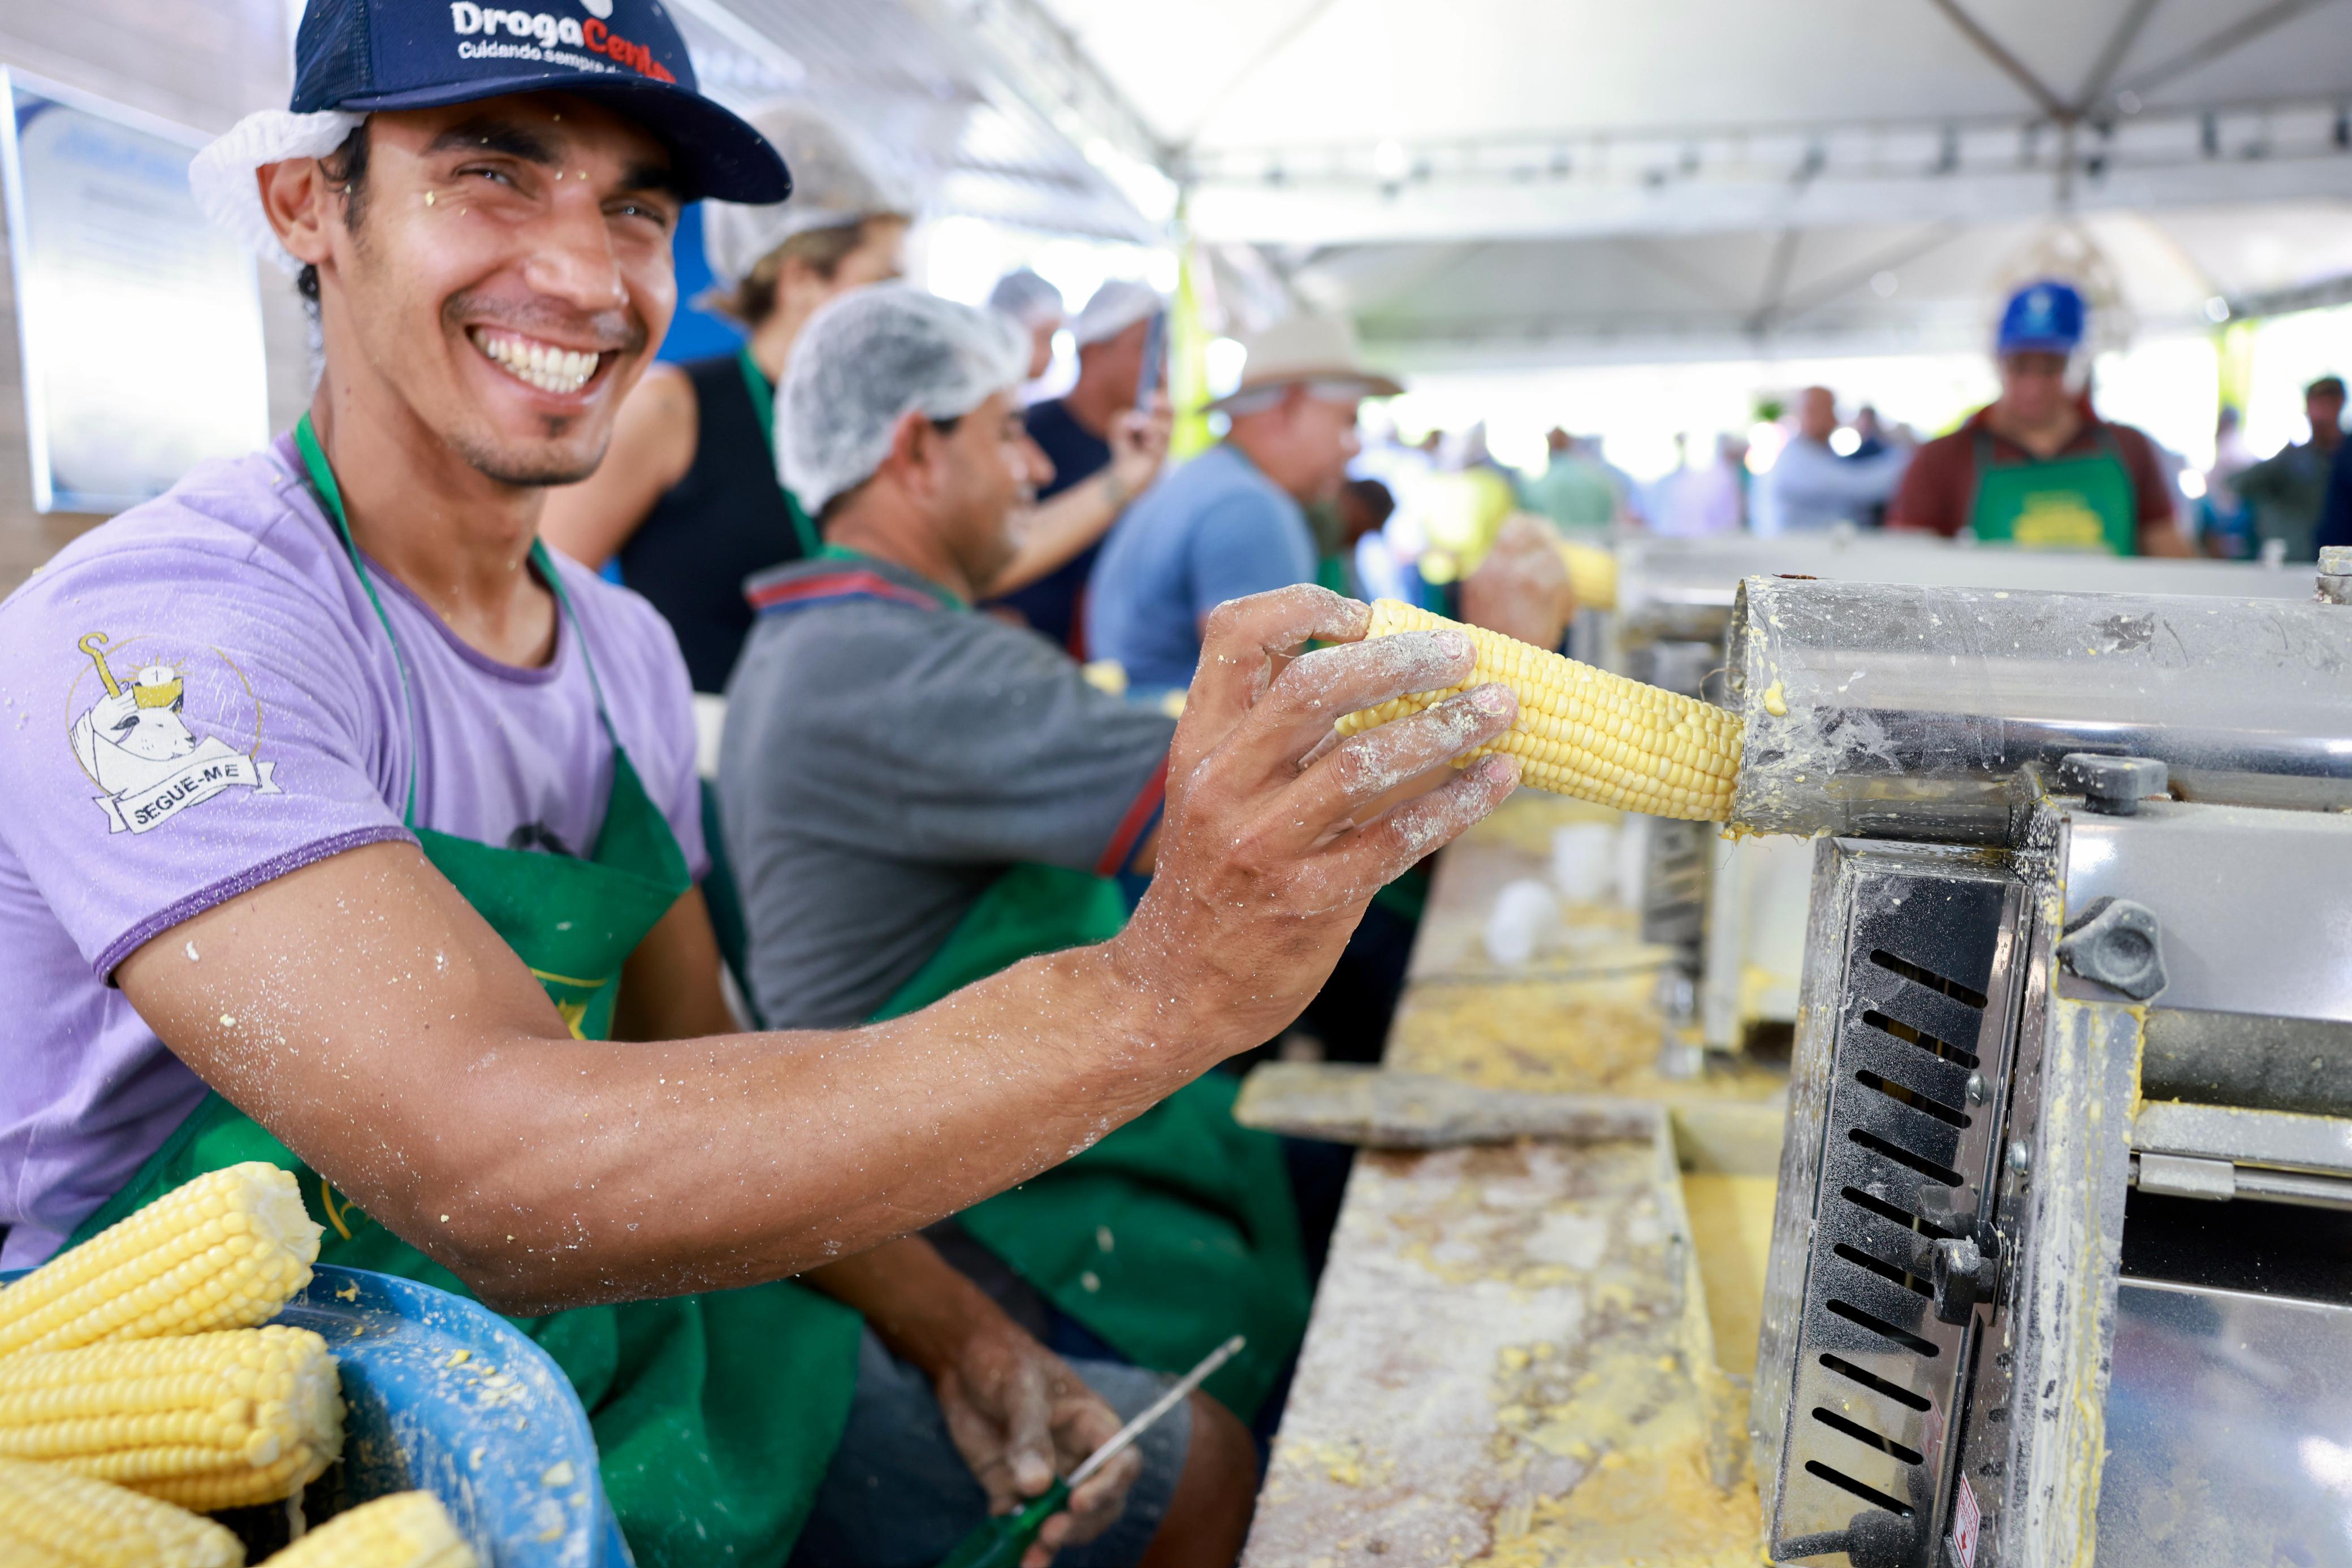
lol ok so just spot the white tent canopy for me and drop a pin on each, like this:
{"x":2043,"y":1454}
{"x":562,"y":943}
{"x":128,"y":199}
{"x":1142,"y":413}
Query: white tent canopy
{"x":1564,"y":180}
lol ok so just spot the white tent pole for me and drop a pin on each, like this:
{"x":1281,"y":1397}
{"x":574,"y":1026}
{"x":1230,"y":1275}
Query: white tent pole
{"x":2014,"y":69}
{"x":2241,"y":32}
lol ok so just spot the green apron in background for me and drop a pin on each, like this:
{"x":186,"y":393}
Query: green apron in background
{"x":2084,"y":503}
{"x":715,"y":1415}
{"x":763,"y":406}
{"x":1176,"y":1230}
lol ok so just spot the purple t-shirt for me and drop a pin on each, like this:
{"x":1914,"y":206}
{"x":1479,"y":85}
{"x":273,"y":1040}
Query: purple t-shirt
{"x":255,"y":725}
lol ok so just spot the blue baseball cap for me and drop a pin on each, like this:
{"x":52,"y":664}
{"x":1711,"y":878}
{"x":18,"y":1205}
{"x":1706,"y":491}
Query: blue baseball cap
{"x":2043,"y":317}
{"x":360,"y":56}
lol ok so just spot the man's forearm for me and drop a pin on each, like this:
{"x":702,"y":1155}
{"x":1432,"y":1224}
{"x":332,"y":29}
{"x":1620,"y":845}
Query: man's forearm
{"x":734,"y":1159}
{"x":419,"y":1068}
{"x":923,"y":1309}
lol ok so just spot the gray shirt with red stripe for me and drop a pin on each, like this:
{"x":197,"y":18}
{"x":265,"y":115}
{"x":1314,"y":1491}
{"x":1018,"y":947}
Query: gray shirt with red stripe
{"x":885,"y":758}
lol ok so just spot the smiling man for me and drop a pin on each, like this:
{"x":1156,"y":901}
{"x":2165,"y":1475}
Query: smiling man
{"x":349,"y":831}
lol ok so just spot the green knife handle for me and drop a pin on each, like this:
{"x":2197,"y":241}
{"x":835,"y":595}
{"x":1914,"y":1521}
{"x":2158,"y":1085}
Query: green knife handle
{"x":999,"y":1542}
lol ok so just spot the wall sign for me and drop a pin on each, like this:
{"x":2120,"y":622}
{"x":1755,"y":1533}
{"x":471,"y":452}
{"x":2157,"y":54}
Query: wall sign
{"x":139,"y":323}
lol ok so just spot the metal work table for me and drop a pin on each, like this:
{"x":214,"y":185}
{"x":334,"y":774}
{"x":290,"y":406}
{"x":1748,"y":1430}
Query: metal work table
{"x":1514,"y":1359}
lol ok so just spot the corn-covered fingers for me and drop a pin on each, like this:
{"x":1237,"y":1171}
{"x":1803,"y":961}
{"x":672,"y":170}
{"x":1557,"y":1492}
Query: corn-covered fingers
{"x":1383,"y":850}
{"x":1243,"y":637}
{"x":1321,"y":686}
{"x":1585,"y":732}
{"x":1348,"y":785}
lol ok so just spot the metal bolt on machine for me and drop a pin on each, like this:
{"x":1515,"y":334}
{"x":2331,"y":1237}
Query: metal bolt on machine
{"x":2062,"y":1261}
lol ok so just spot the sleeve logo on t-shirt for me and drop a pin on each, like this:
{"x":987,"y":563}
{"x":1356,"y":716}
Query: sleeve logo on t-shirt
{"x":135,"y":745}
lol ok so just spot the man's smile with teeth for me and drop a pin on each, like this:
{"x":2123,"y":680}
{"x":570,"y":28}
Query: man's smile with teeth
{"x":542,"y":365}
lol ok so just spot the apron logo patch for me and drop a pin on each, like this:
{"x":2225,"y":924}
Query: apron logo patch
{"x":2059,"y":519}
{"x":134,"y":744}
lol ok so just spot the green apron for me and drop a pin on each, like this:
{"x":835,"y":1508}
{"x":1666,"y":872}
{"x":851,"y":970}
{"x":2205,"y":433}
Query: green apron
{"x":715,"y":1415}
{"x":2084,"y":503}
{"x":1173,"y":1231}
{"x":763,"y":404}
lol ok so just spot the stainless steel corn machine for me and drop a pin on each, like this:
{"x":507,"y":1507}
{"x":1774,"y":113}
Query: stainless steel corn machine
{"x":1736,"y":912}
{"x":2062,"y":1261}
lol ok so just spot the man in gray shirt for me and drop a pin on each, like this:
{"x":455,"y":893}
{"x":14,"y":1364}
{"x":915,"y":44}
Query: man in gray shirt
{"x":916,"y":794}
{"x":889,"y":755}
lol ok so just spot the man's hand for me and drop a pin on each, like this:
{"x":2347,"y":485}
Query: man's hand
{"x":1138,"y":445}
{"x":1017,"y":1413}
{"x":1020,"y":1416}
{"x":1276,"y":836}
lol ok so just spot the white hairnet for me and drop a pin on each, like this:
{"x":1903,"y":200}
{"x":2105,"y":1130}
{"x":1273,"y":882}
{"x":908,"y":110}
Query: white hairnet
{"x":835,"y":183}
{"x":1027,"y":299}
{"x":222,"y":178}
{"x":867,"y":360}
{"x":1116,"y":306}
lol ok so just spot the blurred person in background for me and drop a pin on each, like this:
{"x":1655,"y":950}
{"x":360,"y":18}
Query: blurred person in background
{"x":2037,"y":467}
{"x":1810,"y":487}
{"x":2336,"y":512}
{"x":1231,"y":522}
{"x":1076,"y":431}
{"x":2286,"y":492}
{"x":688,"y":499}
{"x":1576,"y":492}
{"x":1037,"y":305}
{"x":1692,"y":502}
{"x":2221,"y":521}
{"x":1870,"y":436}
{"x":1361,"y":509}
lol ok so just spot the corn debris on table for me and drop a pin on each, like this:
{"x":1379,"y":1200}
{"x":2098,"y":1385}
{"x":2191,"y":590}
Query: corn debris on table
{"x":51,"y":1518}
{"x":208,"y":1421}
{"x":226,"y":1250}
{"x":405,"y":1529}
{"x":1581,"y":731}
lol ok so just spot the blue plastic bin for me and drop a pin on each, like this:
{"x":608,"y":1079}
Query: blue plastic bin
{"x":441,"y":1392}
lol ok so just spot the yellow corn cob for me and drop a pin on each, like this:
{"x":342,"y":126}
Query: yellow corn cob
{"x":405,"y":1529}
{"x":208,"y":1421}
{"x":1585,"y":732}
{"x":51,"y":1518}
{"x":226,"y":1250}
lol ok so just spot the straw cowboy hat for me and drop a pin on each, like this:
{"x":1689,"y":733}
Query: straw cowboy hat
{"x":1317,"y":348}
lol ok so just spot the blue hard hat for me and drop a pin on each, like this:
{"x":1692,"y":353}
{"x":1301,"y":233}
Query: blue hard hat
{"x":2046,"y":317}
{"x":360,"y":56}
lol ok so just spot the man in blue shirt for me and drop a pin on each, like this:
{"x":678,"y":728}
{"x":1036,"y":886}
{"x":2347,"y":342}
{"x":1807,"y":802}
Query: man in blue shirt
{"x":1232,"y":522}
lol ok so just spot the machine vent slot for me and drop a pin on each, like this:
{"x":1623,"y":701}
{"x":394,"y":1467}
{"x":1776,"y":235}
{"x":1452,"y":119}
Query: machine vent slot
{"x":1885,"y":1330}
{"x":1876,"y":1383}
{"x":1861,"y":1434}
{"x":1902,"y":1216}
{"x":1904,"y":1095}
{"x":1863,"y":1489}
{"x":1958,"y":1056}
{"x":1903,"y":1156}
{"x":1884,"y":1270}
{"x":1927,"y":977}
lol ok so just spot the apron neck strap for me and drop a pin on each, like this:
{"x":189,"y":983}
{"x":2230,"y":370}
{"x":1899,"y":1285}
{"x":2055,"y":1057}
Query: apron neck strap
{"x":330,"y":497}
{"x":763,"y":408}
